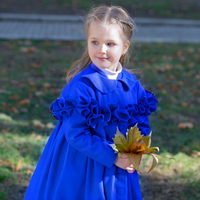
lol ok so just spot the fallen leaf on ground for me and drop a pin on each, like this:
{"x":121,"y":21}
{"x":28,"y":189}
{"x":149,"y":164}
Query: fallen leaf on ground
{"x":185,"y":104}
{"x":164,"y":91}
{"x":185,"y":125}
{"x":28,"y":49}
{"x":50,"y":125}
{"x":180,"y":83}
{"x":38,"y":124}
{"x":23,"y":102}
{"x":14,"y":110}
{"x":19,"y":165}
{"x":29,"y":171}
{"x":168,"y":67}
{"x":11,"y":166}
{"x":38,"y":137}
{"x":160,"y":85}
{"x":173,"y":87}
{"x":162,"y":116}
{"x":196,"y":154}
{"x":47,"y":85}
{"x":14,"y":97}
{"x":171,"y":76}
{"x":195,"y":92}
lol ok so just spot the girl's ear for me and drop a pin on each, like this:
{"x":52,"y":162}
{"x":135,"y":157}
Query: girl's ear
{"x":126,"y":46}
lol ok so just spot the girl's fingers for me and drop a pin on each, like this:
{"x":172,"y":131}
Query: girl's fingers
{"x":123,"y":156}
{"x":130,"y":168}
{"x":130,"y":171}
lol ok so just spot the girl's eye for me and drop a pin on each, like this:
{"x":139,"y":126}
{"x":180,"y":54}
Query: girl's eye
{"x":110,"y":44}
{"x":95,"y":42}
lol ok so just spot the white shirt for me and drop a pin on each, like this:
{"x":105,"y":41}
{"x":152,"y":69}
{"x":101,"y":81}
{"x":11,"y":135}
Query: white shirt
{"x":111,"y":74}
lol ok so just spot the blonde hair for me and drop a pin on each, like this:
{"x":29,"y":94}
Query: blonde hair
{"x":110,"y":14}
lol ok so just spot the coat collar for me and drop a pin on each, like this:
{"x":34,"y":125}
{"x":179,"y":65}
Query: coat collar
{"x":105,"y":85}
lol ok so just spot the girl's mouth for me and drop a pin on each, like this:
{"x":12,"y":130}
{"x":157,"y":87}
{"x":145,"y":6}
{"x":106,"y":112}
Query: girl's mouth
{"x":102,"y":58}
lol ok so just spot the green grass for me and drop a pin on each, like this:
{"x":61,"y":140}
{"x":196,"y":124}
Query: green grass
{"x":155,"y":8}
{"x":183,"y":9}
{"x":2,"y":195}
{"x":171,"y":71}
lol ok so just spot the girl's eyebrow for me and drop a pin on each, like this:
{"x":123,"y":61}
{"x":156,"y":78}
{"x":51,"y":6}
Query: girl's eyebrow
{"x":93,"y":38}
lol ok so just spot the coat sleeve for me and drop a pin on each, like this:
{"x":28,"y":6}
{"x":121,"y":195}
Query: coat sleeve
{"x":146,"y":104}
{"x":74,"y":109}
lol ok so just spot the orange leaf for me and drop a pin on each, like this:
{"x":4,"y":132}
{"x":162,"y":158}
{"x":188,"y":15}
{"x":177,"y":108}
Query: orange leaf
{"x":171,"y":76}
{"x":135,"y":160}
{"x":29,"y":171}
{"x":10,"y":165}
{"x":180,"y":83}
{"x":195,"y":92}
{"x":160,"y":85}
{"x":1,"y":142}
{"x":19,"y":165}
{"x":38,"y":137}
{"x":14,"y":110}
{"x":154,"y":163}
{"x":164,"y":91}
{"x":14,"y":97}
{"x":161,"y":115}
{"x":185,"y":125}
{"x":185,"y":104}
{"x":196,"y":154}
{"x":132,"y":146}
{"x":23,"y":102}
{"x":47,"y":85}
{"x":173,"y":87}
{"x":168,"y":67}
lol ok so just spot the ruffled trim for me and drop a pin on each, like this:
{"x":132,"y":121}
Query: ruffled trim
{"x":112,"y":113}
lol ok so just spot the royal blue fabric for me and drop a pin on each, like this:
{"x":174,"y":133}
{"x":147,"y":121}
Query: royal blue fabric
{"x":78,"y":161}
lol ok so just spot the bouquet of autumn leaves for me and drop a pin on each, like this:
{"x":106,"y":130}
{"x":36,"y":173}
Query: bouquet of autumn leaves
{"x":134,"y":146}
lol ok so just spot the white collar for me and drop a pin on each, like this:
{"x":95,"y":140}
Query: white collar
{"x":111,"y":74}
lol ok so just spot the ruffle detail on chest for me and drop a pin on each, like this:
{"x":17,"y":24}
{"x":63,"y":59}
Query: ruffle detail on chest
{"x":112,"y":113}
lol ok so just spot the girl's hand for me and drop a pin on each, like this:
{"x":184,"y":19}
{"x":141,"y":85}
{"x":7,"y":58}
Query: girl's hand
{"x":124,"y":163}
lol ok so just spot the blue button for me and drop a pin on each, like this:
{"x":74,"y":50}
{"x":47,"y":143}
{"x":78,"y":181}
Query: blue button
{"x":120,"y":191}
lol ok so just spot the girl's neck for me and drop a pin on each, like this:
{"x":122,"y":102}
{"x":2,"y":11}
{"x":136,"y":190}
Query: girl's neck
{"x":112,"y":74}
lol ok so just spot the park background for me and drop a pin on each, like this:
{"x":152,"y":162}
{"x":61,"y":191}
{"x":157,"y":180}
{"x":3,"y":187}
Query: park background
{"x":32,"y":75}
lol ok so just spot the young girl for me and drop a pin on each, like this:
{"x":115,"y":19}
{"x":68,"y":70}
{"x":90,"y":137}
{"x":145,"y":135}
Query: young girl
{"x":78,"y":162}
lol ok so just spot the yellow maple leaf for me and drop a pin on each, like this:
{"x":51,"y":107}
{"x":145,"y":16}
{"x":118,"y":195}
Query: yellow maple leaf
{"x":134,"y":146}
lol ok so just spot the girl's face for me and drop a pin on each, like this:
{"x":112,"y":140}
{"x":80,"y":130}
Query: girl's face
{"x":106,"y":45}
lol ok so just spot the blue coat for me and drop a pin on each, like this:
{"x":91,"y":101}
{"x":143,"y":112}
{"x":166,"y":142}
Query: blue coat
{"x":78,"y":161}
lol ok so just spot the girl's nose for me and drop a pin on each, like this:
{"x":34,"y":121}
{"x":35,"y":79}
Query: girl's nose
{"x":102,"y":48}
